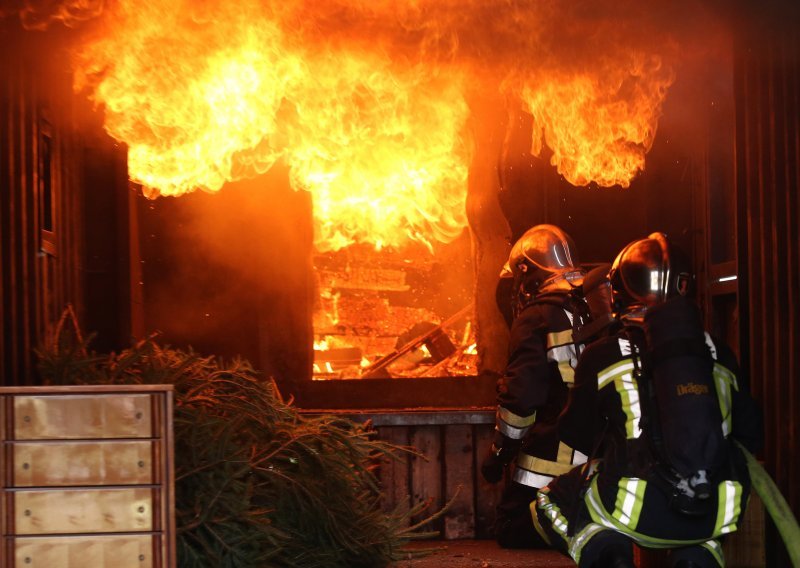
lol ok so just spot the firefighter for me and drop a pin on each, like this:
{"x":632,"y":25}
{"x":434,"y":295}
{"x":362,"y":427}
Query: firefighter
{"x":658,"y":403}
{"x":533,"y":389}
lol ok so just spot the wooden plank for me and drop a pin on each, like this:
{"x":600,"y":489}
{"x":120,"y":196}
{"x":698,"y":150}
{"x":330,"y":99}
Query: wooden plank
{"x":84,"y":462}
{"x":166,"y":430}
{"x":4,"y":476}
{"x":127,"y":551}
{"x":394,"y":471}
{"x":5,"y":190}
{"x":83,"y":416}
{"x":83,"y":389}
{"x":426,"y":474}
{"x":459,"y":457}
{"x":10,"y":304}
{"x":487,"y":495}
{"x":49,"y":511}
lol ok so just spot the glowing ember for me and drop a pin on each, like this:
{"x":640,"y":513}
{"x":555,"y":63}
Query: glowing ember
{"x":367,"y":102}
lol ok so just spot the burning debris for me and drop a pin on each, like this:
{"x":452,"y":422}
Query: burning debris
{"x":390,"y":315}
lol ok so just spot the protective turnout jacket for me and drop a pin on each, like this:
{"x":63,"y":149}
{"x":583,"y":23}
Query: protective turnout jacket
{"x":604,"y":419}
{"x":534,"y":388}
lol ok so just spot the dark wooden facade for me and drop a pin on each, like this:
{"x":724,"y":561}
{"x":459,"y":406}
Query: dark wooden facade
{"x":64,"y":223}
{"x":767,"y":71}
{"x":39,"y":209}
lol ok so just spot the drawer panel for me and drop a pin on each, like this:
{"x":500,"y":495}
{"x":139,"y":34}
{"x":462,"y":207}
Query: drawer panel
{"x":83,"y":552}
{"x":83,"y":416}
{"x":83,"y":511}
{"x":82,"y":463}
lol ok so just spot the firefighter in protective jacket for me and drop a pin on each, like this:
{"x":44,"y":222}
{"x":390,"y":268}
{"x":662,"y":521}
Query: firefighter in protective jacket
{"x":534,"y":386}
{"x":659,"y":404}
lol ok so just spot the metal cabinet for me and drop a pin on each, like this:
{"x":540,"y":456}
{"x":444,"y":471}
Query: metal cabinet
{"x":87,"y":477}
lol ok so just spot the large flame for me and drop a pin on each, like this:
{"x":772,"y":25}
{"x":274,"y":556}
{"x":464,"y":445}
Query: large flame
{"x":366,"y":102}
{"x":600,"y":124}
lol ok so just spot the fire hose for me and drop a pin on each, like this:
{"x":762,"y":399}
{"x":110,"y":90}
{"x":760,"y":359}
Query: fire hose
{"x":776,"y":506}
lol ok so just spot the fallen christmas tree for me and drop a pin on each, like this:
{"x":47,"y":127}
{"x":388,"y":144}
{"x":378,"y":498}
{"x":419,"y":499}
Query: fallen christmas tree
{"x":257,"y":484}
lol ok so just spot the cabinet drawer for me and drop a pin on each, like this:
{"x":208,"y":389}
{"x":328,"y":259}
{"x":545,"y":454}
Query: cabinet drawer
{"x":83,"y":511}
{"x":83,"y":416}
{"x":83,"y":552}
{"x":82,"y":463}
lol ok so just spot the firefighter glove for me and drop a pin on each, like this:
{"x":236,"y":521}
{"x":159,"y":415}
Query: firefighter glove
{"x":492,"y":468}
{"x":504,"y":449}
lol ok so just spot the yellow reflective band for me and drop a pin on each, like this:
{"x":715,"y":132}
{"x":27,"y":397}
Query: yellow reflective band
{"x":511,"y":431}
{"x":627,"y":387}
{"x":512,"y":419}
{"x":722,"y":370}
{"x":534,"y":480}
{"x":616,"y":370}
{"x":564,"y":454}
{"x":715,"y":548}
{"x":559,"y":338}
{"x":580,"y":540}
{"x":537,"y":524}
{"x":728,"y":507}
{"x":599,"y":515}
{"x":547,"y":467}
{"x":567,"y":372}
{"x":724,"y":380}
{"x":620,"y":374}
{"x":553,"y":514}
{"x":630,"y":496}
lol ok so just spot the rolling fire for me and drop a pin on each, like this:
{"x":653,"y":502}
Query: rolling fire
{"x":366,"y":103}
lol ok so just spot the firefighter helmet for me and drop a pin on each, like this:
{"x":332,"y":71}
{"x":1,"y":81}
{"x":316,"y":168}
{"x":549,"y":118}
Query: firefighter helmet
{"x":648,"y":272}
{"x":544,"y":257}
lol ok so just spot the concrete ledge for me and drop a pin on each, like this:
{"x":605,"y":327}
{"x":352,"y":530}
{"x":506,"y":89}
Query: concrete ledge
{"x":481,"y":554}
{"x":415,"y":417}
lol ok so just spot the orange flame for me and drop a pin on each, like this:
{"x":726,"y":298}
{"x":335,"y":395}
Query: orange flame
{"x":378,"y":144}
{"x":366,"y":102}
{"x":599,"y":125}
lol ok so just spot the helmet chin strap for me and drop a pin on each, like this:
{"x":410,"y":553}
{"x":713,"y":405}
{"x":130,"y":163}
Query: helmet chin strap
{"x":633,"y":315}
{"x":561,"y":281}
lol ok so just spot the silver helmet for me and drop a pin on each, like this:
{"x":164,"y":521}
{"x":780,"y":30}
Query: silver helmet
{"x":546,"y":257}
{"x":648,"y":272}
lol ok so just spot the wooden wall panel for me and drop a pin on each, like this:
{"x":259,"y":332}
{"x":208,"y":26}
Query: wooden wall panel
{"x":394,"y":471}
{"x":487,"y":495}
{"x":448,"y":473}
{"x":16,"y":210}
{"x":45,"y":131}
{"x":426,"y":472}
{"x":459,"y":481}
{"x":767,"y":87}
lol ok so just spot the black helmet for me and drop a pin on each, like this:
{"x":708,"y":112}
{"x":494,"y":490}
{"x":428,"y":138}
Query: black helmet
{"x":648,"y":272}
{"x":544,"y":256}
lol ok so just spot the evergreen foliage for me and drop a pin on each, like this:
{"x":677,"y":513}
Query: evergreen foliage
{"x":257,"y":483}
